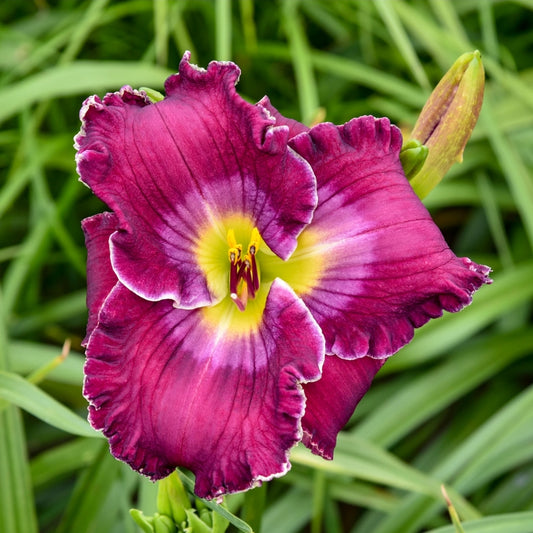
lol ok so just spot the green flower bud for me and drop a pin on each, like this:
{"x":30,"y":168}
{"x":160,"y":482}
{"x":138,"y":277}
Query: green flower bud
{"x":206,"y":516}
{"x":172,"y":499}
{"x":413,"y":156}
{"x":153,"y":95}
{"x":447,"y":120}
{"x":196,"y":525}
{"x":146,"y":523}
{"x":163,"y":524}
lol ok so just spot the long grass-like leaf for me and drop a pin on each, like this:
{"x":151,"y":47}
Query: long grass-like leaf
{"x":79,"y":77}
{"x":301,"y":60}
{"x":16,"y":497}
{"x":20,"y":392}
{"x":509,"y":523}
{"x":26,"y":357}
{"x":402,"y":41}
{"x":439,"y":387}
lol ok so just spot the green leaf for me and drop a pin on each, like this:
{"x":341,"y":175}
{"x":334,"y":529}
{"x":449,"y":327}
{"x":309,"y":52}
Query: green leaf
{"x":508,"y":523}
{"x":16,"y":498}
{"x":20,"y":392}
{"x":439,"y":387}
{"x":17,"y":508}
{"x":62,"y":460}
{"x":362,"y":459}
{"x":25,"y":357}
{"x":78,"y":77}
{"x":91,"y":505}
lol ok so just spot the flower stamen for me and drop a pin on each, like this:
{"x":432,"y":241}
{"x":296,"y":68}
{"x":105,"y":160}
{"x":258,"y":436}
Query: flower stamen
{"x":244,"y":273}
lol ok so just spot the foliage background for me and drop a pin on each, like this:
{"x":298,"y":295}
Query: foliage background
{"x":454,"y":407}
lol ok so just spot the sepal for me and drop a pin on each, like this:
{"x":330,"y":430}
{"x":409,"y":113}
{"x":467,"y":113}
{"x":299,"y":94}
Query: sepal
{"x":413,"y":155}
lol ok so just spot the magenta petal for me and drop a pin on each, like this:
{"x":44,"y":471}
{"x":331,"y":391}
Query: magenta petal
{"x":388,"y":269}
{"x":169,"y":169}
{"x":294,"y":126}
{"x":169,"y":388}
{"x":100,"y":276}
{"x":332,"y":400}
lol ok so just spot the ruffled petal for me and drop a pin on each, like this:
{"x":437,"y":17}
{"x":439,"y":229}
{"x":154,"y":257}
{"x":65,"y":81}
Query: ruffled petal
{"x":332,"y":400}
{"x":169,"y":169}
{"x":294,"y":126}
{"x":385,"y":267}
{"x":170,"y":387}
{"x":100,"y":276}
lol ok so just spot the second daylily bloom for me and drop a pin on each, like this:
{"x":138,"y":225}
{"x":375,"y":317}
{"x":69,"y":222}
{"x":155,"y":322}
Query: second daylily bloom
{"x":251,"y":279}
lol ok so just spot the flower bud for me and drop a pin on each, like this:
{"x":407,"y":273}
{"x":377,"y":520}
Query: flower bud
{"x":153,"y":95}
{"x":164,"y":524}
{"x":146,"y":523}
{"x":447,"y":120}
{"x":172,"y":499}
{"x":196,"y":524}
{"x":413,"y":156}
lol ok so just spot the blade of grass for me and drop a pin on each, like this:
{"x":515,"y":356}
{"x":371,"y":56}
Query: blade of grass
{"x":91,"y":493}
{"x":362,"y":459}
{"x":254,"y":506}
{"x":301,"y":61}
{"x":25,"y":357}
{"x":18,"y":179}
{"x":367,"y":33}
{"x":223,"y":30}
{"x":61,"y":461}
{"x":352,"y":492}
{"x":369,"y":77}
{"x":414,"y":511}
{"x":327,"y":19}
{"x":79,"y":77}
{"x":319,"y":500}
{"x":248,"y":24}
{"x":161,"y":30}
{"x":179,"y":30}
{"x":21,"y":393}
{"x":88,"y":21}
{"x":492,"y":212}
{"x":488,"y":29}
{"x":510,"y":523}
{"x":288,"y":514}
{"x":402,"y":42}
{"x":461,"y":192}
{"x":71,"y":305}
{"x":449,"y":19}
{"x":518,"y":177}
{"x":16,"y":497}
{"x":437,"y":388}
{"x":489,"y":441}
{"x":44,"y":201}
{"x":446,"y":49}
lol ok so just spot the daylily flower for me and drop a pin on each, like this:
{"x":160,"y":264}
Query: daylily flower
{"x":251,"y":279}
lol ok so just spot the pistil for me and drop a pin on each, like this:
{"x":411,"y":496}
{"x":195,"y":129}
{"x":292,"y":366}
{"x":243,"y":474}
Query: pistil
{"x":244,"y":273}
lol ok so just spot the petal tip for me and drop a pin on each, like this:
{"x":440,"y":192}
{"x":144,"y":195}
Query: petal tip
{"x":189,"y":72}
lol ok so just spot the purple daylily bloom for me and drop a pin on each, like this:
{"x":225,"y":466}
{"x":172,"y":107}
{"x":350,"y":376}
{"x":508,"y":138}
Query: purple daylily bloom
{"x":252,"y":278}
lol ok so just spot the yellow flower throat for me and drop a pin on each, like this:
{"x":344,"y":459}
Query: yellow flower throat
{"x":240,"y":278}
{"x":244,"y":278}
